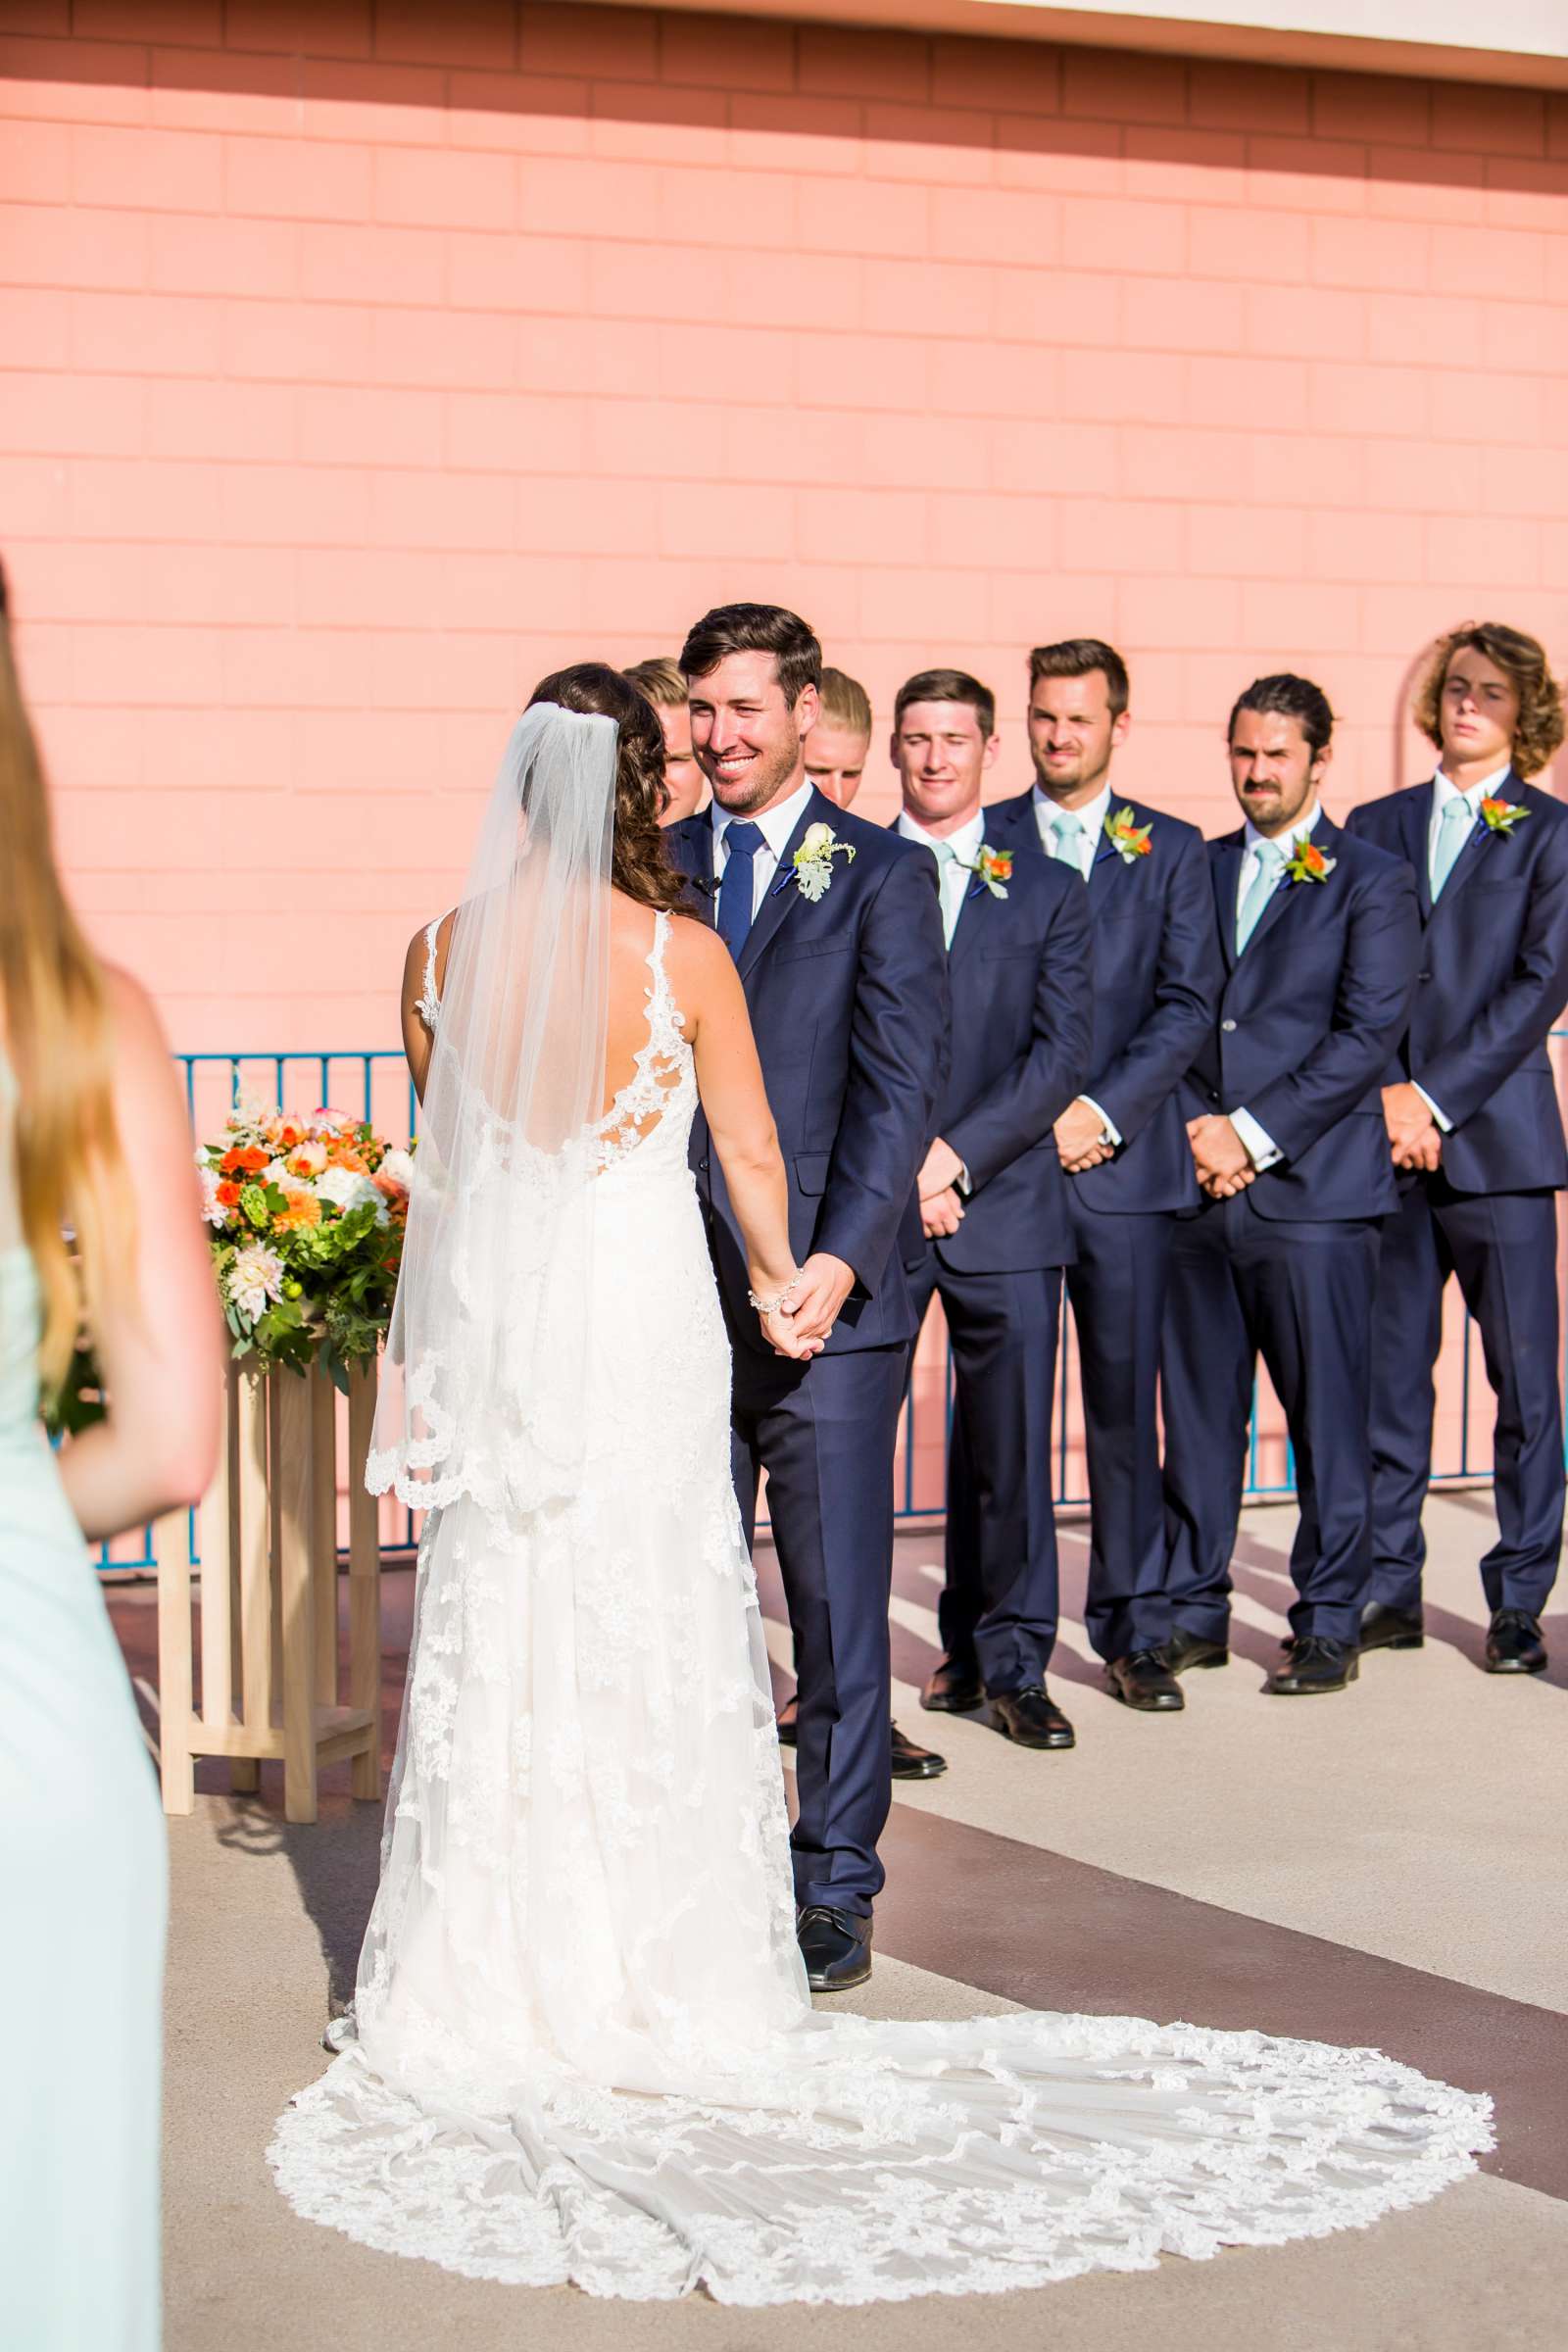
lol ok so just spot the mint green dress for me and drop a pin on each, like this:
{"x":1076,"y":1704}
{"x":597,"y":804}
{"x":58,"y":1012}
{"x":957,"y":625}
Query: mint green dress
{"x":82,"y":1899}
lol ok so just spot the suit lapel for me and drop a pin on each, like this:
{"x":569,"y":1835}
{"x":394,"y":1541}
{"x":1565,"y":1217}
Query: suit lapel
{"x":1413,"y":813}
{"x":1477,"y":844}
{"x":1106,"y":856}
{"x":783,"y":893}
{"x":1225,"y":867}
{"x":691,"y":851}
{"x":1323,"y":836}
{"x":1012,"y":824}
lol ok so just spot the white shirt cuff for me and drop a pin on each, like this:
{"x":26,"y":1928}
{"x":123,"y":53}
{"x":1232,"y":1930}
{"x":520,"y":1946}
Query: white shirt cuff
{"x":1258,"y":1145}
{"x":1113,"y":1133}
{"x":962,"y":1180}
{"x":1446,"y":1123}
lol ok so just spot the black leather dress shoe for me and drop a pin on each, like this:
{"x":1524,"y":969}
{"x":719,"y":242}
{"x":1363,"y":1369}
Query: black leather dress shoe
{"x":1514,"y":1645}
{"x":912,"y":1763}
{"x":1031,"y":1718}
{"x":1185,"y":1649}
{"x":953,"y":1689}
{"x":1143,"y":1679}
{"x":1311,"y":1664}
{"x":836,"y":1946}
{"x":1385,"y":1628}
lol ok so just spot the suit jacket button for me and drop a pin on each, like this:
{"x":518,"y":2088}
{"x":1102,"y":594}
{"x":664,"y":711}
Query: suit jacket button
{"x":1423,"y":975}
{"x":1227,"y":1026}
{"x":703,"y":1165}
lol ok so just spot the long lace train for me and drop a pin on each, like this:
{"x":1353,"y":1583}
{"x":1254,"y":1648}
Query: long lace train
{"x":582,"y":2047}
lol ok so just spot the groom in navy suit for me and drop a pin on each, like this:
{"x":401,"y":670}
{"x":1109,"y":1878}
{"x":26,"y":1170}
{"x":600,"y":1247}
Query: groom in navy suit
{"x":837,"y":934}
{"x":1320,"y":940}
{"x":1121,"y":1141}
{"x":1475,"y":1130}
{"x":993,"y":1206}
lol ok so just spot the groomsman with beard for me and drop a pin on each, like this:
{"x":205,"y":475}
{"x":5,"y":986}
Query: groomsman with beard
{"x":1475,"y":1129}
{"x":1121,"y":1141}
{"x":993,"y":1203}
{"x":836,"y":931}
{"x":1320,"y":940}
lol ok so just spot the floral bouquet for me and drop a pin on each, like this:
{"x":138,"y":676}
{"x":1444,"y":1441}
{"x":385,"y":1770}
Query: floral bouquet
{"x":307,"y":1216}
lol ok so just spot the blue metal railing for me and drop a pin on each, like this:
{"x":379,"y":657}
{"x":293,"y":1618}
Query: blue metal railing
{"x":377,"y":1085}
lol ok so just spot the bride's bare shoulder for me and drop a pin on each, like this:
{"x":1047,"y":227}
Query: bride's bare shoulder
{"x":696,"y":950}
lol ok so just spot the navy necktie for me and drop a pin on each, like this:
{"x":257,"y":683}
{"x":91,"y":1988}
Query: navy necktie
{"x":736,"y":887}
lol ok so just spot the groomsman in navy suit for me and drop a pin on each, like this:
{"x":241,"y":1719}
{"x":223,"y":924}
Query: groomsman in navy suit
{"x":1321,"y":940}
{"x":1475,"y":1129}
{"x":992,"y":1203}
{"x":1122,"y":1140}
{"x":841,"y":958}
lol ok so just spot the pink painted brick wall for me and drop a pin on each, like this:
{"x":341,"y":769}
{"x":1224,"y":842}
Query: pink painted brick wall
{"x":359,"y":363}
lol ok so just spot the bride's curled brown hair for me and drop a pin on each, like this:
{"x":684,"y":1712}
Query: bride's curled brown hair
{"x":640,"y":863}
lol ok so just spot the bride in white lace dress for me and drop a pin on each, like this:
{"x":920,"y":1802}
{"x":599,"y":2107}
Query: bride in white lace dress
{"x":582,"y":2047}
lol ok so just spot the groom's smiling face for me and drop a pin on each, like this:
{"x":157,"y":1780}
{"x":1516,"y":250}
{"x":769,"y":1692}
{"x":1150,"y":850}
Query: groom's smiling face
{"x":749,"y":738}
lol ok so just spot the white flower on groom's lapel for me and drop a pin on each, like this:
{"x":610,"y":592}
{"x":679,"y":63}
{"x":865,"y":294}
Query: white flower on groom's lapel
{"x":812,"y":867}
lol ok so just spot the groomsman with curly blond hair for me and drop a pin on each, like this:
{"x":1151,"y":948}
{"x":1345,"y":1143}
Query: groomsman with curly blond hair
{"x":1475,"y":1129}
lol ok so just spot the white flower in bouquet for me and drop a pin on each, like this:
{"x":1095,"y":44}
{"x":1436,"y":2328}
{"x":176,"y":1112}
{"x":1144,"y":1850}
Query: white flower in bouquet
{"x":255,"y":1277}
{"x":347,"y":1189}
{"x":212,"y":1212}
{"x":396,"y":1172}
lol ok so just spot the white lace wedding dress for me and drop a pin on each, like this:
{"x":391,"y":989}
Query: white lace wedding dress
{"x":582,"y":2047}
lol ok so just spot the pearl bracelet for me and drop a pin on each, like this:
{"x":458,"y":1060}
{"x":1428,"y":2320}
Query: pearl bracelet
{"x":771,"y":1306}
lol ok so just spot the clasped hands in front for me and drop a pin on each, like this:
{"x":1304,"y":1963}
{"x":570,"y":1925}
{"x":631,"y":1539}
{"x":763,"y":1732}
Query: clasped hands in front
{"x":1224,"y":1166}
{"x":1415,"y":1137}
{"x":1220,"y":1158}
{"x":801,"y":1326}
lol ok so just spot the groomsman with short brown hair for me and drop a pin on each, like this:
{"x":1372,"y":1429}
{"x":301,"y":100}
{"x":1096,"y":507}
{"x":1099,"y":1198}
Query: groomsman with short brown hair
{"x":1121,"y":1142}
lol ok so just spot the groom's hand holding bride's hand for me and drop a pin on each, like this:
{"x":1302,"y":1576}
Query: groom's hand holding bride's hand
{"x":825,"y":1283}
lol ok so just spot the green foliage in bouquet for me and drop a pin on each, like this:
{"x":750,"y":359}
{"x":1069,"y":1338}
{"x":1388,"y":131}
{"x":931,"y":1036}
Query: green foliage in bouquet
{"x":308,"y":1217}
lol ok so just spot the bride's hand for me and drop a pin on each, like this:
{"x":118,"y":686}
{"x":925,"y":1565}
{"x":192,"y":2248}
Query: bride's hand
{"x":775,"y":1304}
{"x":785,"y":1338}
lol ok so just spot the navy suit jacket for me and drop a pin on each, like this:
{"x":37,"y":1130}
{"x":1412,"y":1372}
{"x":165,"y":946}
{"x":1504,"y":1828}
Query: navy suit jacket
{"x":1493,"y":980}
{"x":849,"y":1005}
{"x":1157,"y":978}
{"x":1022,"y":990}
{"x":1309,"y":1016}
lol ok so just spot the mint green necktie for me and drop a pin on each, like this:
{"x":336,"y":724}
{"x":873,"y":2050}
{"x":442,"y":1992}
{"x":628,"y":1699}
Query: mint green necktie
{"x":1067,"y":833}
{"x":1455,"y":829}
{"x":1270,"y":866}
{"x":946,"y":857}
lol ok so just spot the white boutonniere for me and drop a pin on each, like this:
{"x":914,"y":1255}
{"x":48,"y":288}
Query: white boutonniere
{"x":813,"y":863}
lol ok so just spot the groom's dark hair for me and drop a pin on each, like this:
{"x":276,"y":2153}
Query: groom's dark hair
{"x":755,"y":629}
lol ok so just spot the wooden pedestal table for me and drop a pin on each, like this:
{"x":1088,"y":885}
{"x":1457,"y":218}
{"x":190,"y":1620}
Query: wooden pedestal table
{"x":268,"y":1596}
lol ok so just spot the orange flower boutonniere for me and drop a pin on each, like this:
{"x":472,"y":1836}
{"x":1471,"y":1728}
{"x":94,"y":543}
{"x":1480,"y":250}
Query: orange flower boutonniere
{"x":1308,"y":863}
{"x":994,"y":870}
{"x":1501,"y":816}
{"x":1127,"y":837}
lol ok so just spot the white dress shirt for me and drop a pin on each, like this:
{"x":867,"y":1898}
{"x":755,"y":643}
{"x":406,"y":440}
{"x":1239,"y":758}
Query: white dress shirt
{"x":956,"y":874}
{"x":777,"y":825}
{"x":1259,"y":1145}
{"x":1443,"y":792}
{"x":1092,"y":817}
